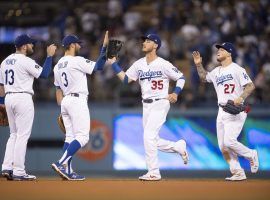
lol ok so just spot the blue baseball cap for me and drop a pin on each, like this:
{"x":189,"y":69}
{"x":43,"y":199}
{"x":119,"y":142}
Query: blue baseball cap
{"x":23,"y":39}
{"x":153,"y":37}
{"x":69,"y":39}
{"x":229,"y":47}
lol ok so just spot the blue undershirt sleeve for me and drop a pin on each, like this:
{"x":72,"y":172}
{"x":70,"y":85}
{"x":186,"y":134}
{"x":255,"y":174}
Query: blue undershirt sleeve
{"x":101,"y":60}
{"x":116,"y":68}
{"x":125,"y":81}
{"x":2,"y":100}
{"x":47,"y":66}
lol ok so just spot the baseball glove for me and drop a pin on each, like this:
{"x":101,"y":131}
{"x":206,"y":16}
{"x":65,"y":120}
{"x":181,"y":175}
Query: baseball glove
{"x":113,"y":48}
{"x":233,"y":109}
{"x":3,"y":116}
{"x":61,"y":123}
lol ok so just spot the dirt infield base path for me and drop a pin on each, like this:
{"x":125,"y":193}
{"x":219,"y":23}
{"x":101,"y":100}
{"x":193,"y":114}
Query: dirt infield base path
{"x":127,"y":189}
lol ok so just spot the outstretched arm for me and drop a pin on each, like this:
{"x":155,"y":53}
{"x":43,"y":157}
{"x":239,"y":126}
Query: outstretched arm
{"x":47,"y":66}
{"x":119,"y":72}
{"x":102,"y":57}
{"x":198,"y":62}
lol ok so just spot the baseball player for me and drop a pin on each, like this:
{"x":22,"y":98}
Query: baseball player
{"x":72,"y":93}
{"x":231,"y":82}
{"x":154,"y":74}
{"x":17,"y":74}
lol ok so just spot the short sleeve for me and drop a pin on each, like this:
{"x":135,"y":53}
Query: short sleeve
{"x":85,"y":65}
{"x":32,"y":67}
{"x":132,"y":72}
{"x":172,"y":72}
{"x":244,"y":78}
{"x":56,"y":81}
{"x":210,"y":76}
{"x":1,"y":77}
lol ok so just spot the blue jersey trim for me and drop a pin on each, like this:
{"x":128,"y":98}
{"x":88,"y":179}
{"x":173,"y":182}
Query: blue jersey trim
{"x":2,"y":100}
{"x":177,"y":90}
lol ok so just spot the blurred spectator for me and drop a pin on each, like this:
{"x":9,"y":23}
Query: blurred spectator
{"x":131,"y":20}
{"x":184,"y":26}
{"x":90,"y":25}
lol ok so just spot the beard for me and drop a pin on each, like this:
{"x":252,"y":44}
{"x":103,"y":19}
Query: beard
{"x":144,"y":50}
{"x":221,"y":59}
{"x":77,"y":50}
{"x":29,"y":51}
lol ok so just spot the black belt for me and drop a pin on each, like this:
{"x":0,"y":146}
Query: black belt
{"x":19,"y":92}
{"x":149,"y":100}
{"x":74,"y":94}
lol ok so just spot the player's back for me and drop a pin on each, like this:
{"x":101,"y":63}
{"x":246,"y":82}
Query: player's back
{"x":70,"y":74}
{"x":18,"y":72}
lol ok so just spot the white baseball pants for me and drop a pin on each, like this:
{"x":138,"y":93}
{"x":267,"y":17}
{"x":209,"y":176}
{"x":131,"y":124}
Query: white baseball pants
{"x":76,"y":118}
{"x":228,"y":129}
{"x":154,"y":115}
{"x":20,"y":111}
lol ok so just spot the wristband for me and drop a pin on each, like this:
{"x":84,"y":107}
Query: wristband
{"x":2,"y":100}
{"x":116,"y":68}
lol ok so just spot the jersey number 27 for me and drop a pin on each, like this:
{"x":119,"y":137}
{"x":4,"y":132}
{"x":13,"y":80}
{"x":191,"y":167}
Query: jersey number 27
{"x":229,"y":88}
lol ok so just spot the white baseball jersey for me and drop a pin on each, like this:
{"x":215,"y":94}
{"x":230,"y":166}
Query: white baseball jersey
{"x":228,"y":81}
{"x":18,"y":72}
{"x":70,"y":74}
{"x":154,"y":80}
{"x":154,"y":77}
{"x":229,"y":84}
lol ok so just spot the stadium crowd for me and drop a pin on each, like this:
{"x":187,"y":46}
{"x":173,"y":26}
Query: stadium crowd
{"x":184,"y":26}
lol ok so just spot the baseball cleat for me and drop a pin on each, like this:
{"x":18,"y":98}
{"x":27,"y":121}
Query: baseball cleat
{"x":75,"y":177}
{"x":254,"y":162}
{"x":7,"y":174}
{"x":150,"y":177}
{"x":181,"y":148}
{"x":61,"y":170}
{"x":239,"y":176}
{"x":25,"y":177}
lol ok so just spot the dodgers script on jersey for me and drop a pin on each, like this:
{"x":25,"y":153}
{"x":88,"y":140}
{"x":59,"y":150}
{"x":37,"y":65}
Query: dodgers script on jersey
{"x":70,"y":74}
{"x":154,"y":77}
{"x":228,"y":81}
{"x":18,"y":72}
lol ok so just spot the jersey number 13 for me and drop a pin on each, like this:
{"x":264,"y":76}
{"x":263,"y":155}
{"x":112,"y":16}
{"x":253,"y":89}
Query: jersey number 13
{"x":9,"y":77}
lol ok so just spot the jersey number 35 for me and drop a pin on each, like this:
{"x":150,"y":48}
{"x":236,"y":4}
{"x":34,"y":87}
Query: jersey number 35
{"x":157,"y":85}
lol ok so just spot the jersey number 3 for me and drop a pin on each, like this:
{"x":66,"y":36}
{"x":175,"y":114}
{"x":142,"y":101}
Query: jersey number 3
{"x":64,"y":75}
{"x":9,"y":77}
{"x":229,"y":88}
{"x":157,"y":85}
